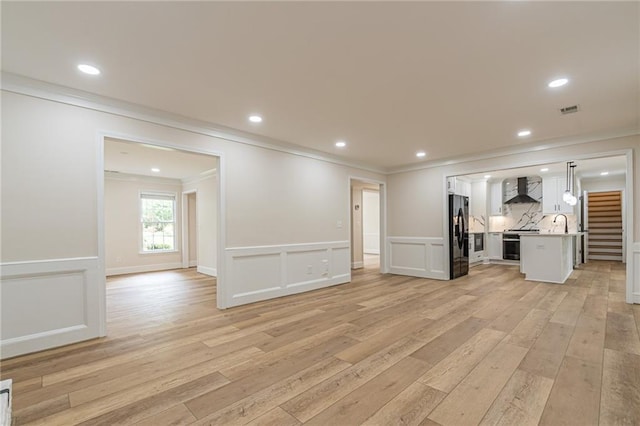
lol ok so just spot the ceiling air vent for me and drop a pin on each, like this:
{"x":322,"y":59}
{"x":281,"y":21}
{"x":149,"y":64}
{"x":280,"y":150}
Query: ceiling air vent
{"x":569,"y":110}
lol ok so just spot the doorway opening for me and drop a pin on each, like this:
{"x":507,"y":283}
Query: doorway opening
{"x":604,"y":218}
{"x":160,"y":212}
{"x":366,"y":225}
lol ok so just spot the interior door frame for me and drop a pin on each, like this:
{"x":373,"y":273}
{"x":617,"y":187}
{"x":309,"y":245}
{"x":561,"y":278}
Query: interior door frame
{"x":186,"y":240}
{"x":382,"y":188}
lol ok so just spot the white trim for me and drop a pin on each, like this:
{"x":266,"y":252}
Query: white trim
{"x":266,"y":272}
{"x":129,"y":177}
{"x":357,"y":265}
{"x":52,"y":275}
{"x":199,"y":178}
{"x":138,"y":269}
{"x":185,"y":226}
{"x":516,"y":150}
{"x":22,"y":85}
{"x":428,"y":261}
{"x":632,"y":249}
{"x":192,"y":264}
{"x":382,"y":190}
{"x":634,"y":266}
{"x":207,"y":271}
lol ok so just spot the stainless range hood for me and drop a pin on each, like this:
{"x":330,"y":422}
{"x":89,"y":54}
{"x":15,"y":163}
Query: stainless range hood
{"x":523,"y":193}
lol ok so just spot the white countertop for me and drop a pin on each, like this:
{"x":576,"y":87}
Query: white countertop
{"x":553,"y":234}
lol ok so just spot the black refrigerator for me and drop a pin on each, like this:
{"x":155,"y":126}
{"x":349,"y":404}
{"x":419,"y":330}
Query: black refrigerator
{"x":458,"y":235}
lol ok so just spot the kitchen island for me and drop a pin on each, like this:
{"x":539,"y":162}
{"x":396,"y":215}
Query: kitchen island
{"x":547,"y":257}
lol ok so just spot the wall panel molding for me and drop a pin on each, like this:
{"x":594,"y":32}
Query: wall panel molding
{"x":417,"y":257}
{"x":266,"y":272}
{"x":49,"y":303}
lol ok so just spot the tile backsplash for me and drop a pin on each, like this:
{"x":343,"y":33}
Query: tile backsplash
{"x":529,"y":216}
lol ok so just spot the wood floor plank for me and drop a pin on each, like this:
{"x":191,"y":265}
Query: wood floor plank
{"x":310,"y":403}
{"x":174,"y":416}
{"x":275,"y":417}
{"x":620,"y":398}
{"x":465,"y":405}
{"x":261,"y":402}
{"x":575,"y":396}
{"x":622,"y":333}
{"x":546,"y":354}
{"x":437,"y":349}
{"x":357,"y":406}
{"x":521,"y":401}
{"x":409,"y":408}
{"x":530,"y":328}
{"x":587,"y":342}
{"x":446,"y":374}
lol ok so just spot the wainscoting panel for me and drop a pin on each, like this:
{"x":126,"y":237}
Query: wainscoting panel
{"x":266,"y":272}
{"x":49,"y":303}
{"x":636,"y":272}
{"x":417,"y":257}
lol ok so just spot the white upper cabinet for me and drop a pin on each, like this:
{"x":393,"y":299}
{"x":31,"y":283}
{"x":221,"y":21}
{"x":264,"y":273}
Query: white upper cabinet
{"x":552,"y":189}
{"x":478,"y":199}
{"x":456,"y":185}
{"x":495,"y":199}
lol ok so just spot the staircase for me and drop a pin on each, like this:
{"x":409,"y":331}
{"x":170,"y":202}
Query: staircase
{"x":605,"y":225}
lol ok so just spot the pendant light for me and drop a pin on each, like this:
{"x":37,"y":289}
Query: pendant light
{"x":567,"y":194}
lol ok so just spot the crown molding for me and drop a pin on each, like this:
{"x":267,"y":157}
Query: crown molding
{"x":22,"y":85}
{"x":520,"y":149}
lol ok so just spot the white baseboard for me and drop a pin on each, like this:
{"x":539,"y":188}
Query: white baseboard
{"x":357,"y":265}
{"x":375,"y":252}
{"x":50,"y":303}
{"x":143,"y":268}
{"x":193,"y":263}
{"x":208,"y":271}
{"x":259,"y":273}
{"x":417,"y":257}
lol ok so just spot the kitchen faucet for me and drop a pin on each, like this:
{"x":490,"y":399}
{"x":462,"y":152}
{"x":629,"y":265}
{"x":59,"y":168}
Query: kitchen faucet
{"x":566,"y":228}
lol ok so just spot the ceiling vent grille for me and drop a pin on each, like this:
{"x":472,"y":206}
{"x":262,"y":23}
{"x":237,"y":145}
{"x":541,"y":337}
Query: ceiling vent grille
{"x":569,"y":110}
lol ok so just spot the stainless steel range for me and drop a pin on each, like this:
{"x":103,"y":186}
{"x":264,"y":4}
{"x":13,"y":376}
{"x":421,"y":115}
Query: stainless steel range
{"x":511,"y":242}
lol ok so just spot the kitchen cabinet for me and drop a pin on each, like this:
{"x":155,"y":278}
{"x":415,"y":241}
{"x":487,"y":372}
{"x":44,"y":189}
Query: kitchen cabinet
{"x":456,"y":185}
{"x":478,"y":200}
{"x":553,"y":187}
{"x":495,"y":199}
{"x":494,"y":245}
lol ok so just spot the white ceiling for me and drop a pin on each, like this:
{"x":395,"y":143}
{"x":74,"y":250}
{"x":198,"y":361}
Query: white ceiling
{"x":138,"y":159}
{"x":450,"y":78}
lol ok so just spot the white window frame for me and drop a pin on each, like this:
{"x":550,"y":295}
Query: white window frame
{"x":157,"y":195}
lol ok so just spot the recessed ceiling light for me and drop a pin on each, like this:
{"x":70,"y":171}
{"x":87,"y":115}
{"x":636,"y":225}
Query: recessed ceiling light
{"x":155,"y":170}
{"x":558,"y":82}
{"x":88,"y":69}
{"x":487,"y":176}
{"x":545,"y":169}
{"x":604,"y":173}
{"x":341,"y":144}
{"x":523,"y":133}
{"x":421,"y":154}
{"x":255,"y":119}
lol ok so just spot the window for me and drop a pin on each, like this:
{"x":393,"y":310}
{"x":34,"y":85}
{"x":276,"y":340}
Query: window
{"x":158,"y":220}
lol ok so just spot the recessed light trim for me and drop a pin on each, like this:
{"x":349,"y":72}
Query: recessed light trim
{"x":604,"y":173}
{"x":544,"y":169}
{"x":523,"y":133}
{"x":155,"y":170}
{"x":88,"y":69}
{"x":421,"y":154}
{"x":341,"y":144}
{"x":559,"y":82}
{"x":254,"y":118}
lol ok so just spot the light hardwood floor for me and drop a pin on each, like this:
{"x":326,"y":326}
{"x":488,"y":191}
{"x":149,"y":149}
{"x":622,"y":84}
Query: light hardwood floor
{"x":488,"y":348}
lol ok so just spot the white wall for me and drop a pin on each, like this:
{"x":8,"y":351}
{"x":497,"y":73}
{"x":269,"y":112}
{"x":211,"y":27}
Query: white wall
{"x":371,"y":221}
{"x":603,"y":183}
{"x":122,"y":224}
{"x":271,"y":200}
{"x":207,"y":217}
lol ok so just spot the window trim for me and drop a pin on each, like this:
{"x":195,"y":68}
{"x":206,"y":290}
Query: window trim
{"x":173,"y":196}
